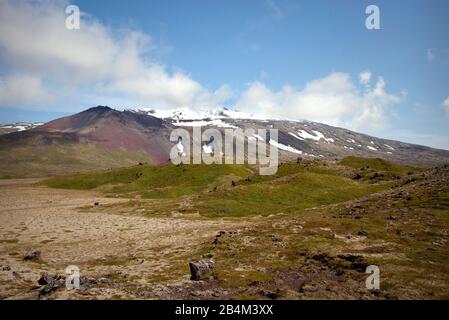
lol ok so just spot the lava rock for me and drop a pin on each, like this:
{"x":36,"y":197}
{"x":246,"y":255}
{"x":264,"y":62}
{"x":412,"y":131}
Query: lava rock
{"x":357,"y":177}
{"x":33,"y":256}
{"x":49,"y":284}
{"x":201,"y":269}
{"x":270,"y":294}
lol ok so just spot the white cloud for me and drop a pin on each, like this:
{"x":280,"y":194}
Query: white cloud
{"x":333,"y":100}
{"x":445,"y":105}
{"x":24,"y":90}
{"x":365,"y":77}
{"x":98,"y":65}
{"x":35,"y":42}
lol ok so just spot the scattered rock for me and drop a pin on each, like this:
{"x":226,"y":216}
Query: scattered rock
{"x":375,"y":175}
{"x":218,"y":236}
{"x":49,"y":284}
{"x":270,"y":294}
{"x":357,"y":177}
{"x":201,"y":269}
{"x":350,"y":257}
{"x":308,"y":288}
{"x":219,"y":293}
{"x":33,"y":256}
{"x":86,"y":283}
{"x":322,"y":257}
{"x":44,"y":279}
{"x":362,"y":233}
{"x":357,"y":262}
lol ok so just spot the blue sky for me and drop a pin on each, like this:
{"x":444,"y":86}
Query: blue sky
{"x":302,"y":59}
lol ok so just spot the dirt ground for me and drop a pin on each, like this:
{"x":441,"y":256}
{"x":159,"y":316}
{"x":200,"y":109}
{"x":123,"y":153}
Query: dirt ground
{"x":319,"y":253}
{"x":113,"y":249}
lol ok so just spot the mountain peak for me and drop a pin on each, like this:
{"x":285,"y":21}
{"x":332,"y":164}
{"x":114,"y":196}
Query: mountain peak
{"x":98,"y":108}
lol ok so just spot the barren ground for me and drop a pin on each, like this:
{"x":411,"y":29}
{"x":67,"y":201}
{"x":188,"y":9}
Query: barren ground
{"x":135,"y":248}
{"x":104,"y":246}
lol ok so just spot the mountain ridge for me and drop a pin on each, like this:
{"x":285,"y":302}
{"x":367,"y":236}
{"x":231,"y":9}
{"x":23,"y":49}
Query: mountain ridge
{"x":143,"y":136}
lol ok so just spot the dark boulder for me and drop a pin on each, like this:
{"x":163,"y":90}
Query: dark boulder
{"x":49,"y":284}
{"x":33,"y":256}
{"x":201,"y":270}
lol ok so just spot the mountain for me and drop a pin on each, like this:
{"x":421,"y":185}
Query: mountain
{"x":111,"y":129}
{"x":98,"y":138}
{"x":306,"y":138}
{"x":102,"y":138}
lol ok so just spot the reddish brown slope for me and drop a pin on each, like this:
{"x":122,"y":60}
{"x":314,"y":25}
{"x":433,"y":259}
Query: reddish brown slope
{"x":112,"y":129}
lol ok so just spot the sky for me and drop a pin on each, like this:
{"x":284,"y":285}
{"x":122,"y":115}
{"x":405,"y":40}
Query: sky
{"x":312,"y":60}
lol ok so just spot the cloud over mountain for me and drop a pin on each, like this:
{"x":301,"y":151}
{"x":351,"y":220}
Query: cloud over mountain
{"x":333,"y":99}
{"x":99,"y":64}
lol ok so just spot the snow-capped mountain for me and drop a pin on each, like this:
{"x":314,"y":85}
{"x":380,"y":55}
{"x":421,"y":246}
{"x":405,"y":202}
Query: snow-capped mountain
{"x":186,"y":114}
{"x":113,"y":138}
{"x":221,"y":117}
{"x":302,"y":137}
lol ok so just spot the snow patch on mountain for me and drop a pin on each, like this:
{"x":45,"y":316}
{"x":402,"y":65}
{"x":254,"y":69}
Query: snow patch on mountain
{"x":202,"y":123}
{"x":189,"y":114}
{"x":296,"y":136}
{"x":317,"y":137}
{"x":186,"y":113}
{"x":20,"y":126}
{"x":284,"y":147}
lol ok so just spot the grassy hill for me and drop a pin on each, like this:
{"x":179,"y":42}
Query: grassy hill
{"x":235,"y":190}
{"x":164,"y":181}
{"x":376,"y":164}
